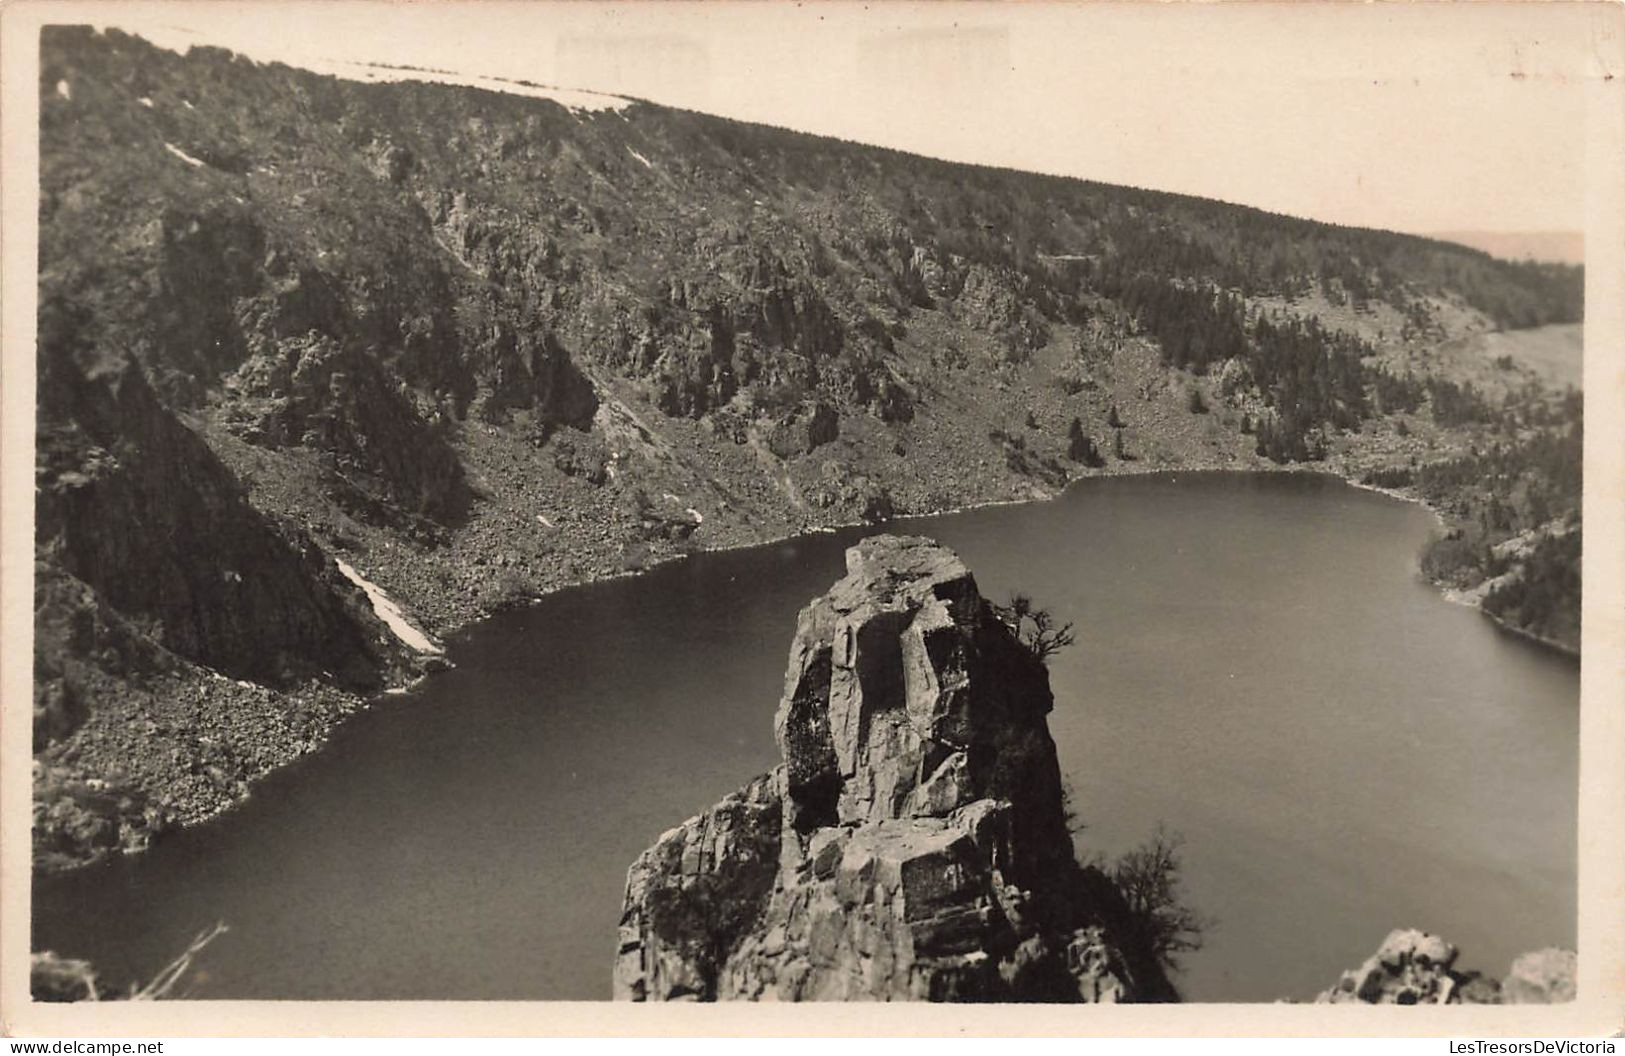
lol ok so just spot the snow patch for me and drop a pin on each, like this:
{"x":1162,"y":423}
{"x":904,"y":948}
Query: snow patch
{"x":181,"y":154}
{"x":146,"y":102}
{"x":574,"y":100}
{"x":64,"y":90}
{"x":384,"y":607}
{"x":188,"y":104}
{"x":273,"y":48}
{"x":699,"y":518}
{"x":646,"y":162}
{"x":543,"y":520}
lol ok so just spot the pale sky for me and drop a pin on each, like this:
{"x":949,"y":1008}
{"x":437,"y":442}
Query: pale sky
{"x":1412,"y":117}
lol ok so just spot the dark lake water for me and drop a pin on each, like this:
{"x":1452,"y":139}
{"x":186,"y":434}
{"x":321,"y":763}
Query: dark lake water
{"x":1258,"y":667}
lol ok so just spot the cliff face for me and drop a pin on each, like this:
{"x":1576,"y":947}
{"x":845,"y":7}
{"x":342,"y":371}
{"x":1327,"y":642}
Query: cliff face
{"x":913,"y":843}
{"x":136,"y":505}
{"x":155,"y":578}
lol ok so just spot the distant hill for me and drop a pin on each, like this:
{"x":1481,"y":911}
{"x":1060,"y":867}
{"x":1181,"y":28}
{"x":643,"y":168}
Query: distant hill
{"x":1556,"y":247}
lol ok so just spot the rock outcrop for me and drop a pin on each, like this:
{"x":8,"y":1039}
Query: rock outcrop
{"x":913,"y":842}
{"x":342,"y":402}
{"x":136,"y":505}
{"x":58,"y":979}
{"x":1415,"y":968}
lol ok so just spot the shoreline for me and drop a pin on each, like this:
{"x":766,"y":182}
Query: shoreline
{"x":395,"y":691}
{"x":1472,"y":599}
{"x":1324,"y":470}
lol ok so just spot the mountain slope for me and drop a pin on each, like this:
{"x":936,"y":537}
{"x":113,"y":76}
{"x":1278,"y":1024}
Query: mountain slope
{"x":476,"y":345}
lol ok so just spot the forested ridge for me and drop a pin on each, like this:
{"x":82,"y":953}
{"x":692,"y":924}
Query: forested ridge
{"x":1514,"y":502}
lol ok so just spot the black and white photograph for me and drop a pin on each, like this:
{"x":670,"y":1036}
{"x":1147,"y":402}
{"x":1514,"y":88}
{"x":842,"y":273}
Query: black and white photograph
{"x":1054,"y":503}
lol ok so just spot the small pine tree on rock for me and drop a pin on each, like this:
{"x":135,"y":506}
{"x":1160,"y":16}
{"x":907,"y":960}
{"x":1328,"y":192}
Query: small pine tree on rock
{"x":1080,"y":447}
{"x":1034,"y":627}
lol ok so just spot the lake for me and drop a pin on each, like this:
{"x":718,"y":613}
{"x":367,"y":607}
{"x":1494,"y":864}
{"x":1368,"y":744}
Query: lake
{"x":1258,"y":667}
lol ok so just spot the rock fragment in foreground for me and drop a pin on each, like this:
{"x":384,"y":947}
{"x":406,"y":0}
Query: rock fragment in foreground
{"x":911,"y":845}
{"x":54,"y":978}
{"x":1415,"y":968}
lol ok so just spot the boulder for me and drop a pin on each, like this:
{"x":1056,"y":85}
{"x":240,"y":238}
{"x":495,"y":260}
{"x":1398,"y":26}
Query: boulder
{"x":1540,"y":977}
{"x":1411,"y":967}
{"x":814,"y":424}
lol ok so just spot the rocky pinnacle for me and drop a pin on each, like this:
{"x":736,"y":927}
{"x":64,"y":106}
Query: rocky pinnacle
{"x":912,"y":844}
